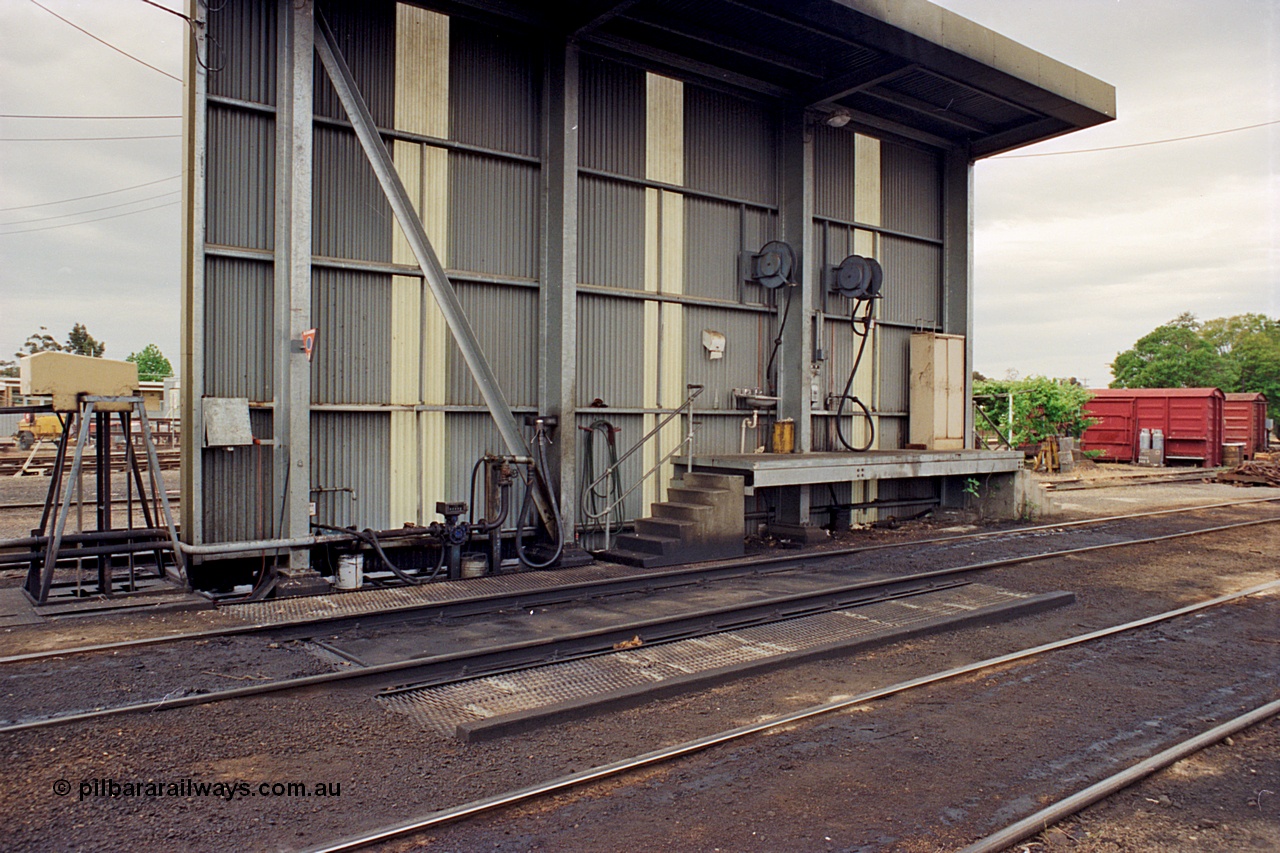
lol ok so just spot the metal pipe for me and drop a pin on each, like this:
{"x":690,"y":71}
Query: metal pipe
{"x":747,"y":423}
{"x":213,"y":548}
{"x":1046,"y":817}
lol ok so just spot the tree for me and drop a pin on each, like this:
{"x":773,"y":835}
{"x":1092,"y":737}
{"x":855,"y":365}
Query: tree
{"x":1174,"y":355}
{"x":80,"y":342}
{"x":1240,"y":353}
{"x":41,"y":341}
{"x":152,"y":365}
{"x":8,"y":368}
{"x":1041,"y":407}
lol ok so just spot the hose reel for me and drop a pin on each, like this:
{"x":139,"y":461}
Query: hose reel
{"x":856,"y":277}
{"x":771,"y":267}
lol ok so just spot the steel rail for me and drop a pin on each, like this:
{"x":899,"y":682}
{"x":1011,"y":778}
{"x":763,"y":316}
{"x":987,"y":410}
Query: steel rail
{"x":663,"y":578}
{"x":606,"y":635}
{"x":615,"y":768}
{"x":1046,"y":817}
{"x":649,"y":580}
{"x":508,"y":657}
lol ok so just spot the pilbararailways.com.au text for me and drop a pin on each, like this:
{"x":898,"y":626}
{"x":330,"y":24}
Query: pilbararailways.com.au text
{"x":114,"y":789}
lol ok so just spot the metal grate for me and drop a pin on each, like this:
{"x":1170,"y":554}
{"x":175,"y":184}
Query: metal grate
{"x":380,"y":600}
{"x":443,"y":707}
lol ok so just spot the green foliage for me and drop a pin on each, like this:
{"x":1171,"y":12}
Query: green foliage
{"x":1175,"y":355}
{"x":80,"y":342}
{"x":152,"y":365}
{"x":1041,"y":407}
{"x":1237,"y":354}
{"x":8,"y":368}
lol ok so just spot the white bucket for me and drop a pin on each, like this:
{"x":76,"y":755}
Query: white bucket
{"x":473,"y":565}
{"x":350,"y":571}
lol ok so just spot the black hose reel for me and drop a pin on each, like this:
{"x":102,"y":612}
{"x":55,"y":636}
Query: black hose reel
{"x":856,"y":277}
{"x":771,"y":267}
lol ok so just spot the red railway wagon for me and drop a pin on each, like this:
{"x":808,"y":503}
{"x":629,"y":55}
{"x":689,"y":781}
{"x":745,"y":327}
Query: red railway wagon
{"x":1244,"y":421}
{"x":1189,"y":418}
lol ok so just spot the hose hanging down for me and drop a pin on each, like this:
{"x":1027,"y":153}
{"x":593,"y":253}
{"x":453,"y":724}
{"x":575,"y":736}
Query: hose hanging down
{"x":538,"y":480}
{"x":866,"y":323}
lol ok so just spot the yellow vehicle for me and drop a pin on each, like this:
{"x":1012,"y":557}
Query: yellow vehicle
{"x":33,"y":428}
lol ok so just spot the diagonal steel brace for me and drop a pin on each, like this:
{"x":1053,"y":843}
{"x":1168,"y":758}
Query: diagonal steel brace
{"x":432,"y":270}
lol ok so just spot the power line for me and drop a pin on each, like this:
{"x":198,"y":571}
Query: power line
{"x":87,"y":221}
{"x":105,"y":42}
{"x":164,"y":8}
{"x":1140,"y":144}
{"x":90,"y":210}
{"x":91,"y":195}
{"x":86,"y":118}
{"x":84,"y":138}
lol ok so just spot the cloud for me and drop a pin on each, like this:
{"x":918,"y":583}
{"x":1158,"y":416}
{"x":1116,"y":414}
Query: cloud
{"x":1079,"y":255}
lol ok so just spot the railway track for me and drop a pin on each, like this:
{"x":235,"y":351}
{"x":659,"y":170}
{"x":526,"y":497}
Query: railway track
{"x":999,"y":841}
{"x":42,"y":465}
{"x":563,"y":587}
{"x":442,"y":642}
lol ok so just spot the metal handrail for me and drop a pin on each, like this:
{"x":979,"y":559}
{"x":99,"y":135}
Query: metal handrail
{"x":687,"y":408}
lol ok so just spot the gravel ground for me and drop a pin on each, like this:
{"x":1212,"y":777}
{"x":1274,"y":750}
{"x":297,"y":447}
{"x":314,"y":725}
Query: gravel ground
{"x":929,"y":770}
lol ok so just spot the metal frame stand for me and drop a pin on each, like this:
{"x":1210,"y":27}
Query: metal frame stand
{"x":104,"y":543}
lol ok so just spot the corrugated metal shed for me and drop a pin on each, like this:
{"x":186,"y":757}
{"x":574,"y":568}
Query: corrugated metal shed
{"x":670,"y":137}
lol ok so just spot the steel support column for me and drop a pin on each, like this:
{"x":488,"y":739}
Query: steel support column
{"x":957,"y":284}
{"x":957,"y":263}
{"x":795,"y":225}
{"x":194,"y":123}
{"x":558,"y":384}
{"x":292,"y":398}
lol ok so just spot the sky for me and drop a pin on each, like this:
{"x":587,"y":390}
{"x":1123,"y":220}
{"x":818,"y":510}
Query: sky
{"x":1077,"y":255}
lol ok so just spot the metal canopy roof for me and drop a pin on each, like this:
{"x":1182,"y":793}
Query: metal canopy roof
{"x":904,"y":66}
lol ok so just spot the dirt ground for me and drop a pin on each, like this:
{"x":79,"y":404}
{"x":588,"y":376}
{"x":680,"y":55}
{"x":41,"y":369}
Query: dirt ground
{"x":928,"y":770}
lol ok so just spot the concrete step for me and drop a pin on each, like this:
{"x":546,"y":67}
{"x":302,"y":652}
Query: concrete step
{"x":649,"y":544}
{"x":636,"y":558}
{"x":694,"y":494}
{"x":711,"y":481}
{"x":685,"y":511}
{"x":675,"y":528}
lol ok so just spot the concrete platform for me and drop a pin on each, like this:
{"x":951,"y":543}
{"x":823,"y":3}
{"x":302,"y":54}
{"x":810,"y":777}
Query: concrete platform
{"x":766,"y":470}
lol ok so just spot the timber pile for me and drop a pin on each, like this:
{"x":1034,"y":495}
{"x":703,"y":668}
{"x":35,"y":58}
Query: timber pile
{"x":1255,"y":473}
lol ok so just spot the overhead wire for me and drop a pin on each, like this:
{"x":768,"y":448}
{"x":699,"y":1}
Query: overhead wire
{"x":1139,"y":144}
{"x":103,"y":41}
{"x":90,"y":210}
{"x":85,"y":118}
{"x":90,"y":195}
{"x":87,"y":221}
{"x":86,"y":138}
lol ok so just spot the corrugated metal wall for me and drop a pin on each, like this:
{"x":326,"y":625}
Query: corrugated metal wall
{"x":350,"y":450}
{"x":239,"y":315}
{"x":730,"y":204}
{"x":907,"y":240}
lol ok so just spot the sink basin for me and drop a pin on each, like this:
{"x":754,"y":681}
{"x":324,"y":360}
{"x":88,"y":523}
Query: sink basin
{"x":752,"y":398}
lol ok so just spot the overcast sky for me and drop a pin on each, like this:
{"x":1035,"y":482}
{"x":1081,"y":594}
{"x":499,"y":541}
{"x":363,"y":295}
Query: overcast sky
{"x":1077,"y":255}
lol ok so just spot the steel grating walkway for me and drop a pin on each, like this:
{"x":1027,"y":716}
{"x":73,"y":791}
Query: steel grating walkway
{"x":446,"y":707}
{"x":375,"y":601}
